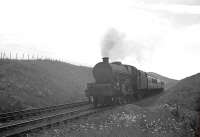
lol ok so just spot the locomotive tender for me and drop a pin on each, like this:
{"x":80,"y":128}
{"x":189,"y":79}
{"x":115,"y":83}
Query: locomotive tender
{"x":119,"y":83}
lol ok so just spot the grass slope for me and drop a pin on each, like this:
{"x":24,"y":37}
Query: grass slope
{"x":185,"y":93}
{"x":27,"y":84}
{"x":185,"y":97}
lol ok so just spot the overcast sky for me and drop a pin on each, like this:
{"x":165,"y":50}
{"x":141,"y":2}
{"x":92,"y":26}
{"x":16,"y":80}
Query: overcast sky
{"x":162,"y":35}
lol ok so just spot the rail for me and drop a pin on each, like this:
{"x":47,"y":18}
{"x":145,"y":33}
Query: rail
{"x":17,"y":127}
{"x":16,"y":115}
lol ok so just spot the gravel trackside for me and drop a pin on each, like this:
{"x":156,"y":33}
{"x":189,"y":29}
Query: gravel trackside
{"x":124,"y":121}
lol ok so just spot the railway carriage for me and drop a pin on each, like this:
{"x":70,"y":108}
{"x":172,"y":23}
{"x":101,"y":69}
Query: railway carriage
{"x":119,"y":83}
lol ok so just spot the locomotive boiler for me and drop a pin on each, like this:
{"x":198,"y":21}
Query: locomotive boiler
{"x":119,"y":83}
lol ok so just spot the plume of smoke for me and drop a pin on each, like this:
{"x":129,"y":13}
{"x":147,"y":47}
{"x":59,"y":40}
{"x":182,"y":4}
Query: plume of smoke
{"x":111,"y":40}
{"x":117,"y":47}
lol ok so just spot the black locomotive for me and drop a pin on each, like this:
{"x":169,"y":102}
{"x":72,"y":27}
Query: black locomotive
{"x":119,"y":83}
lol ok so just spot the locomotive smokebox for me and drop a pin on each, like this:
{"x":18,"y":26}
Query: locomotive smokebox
{"x":105,"y":59}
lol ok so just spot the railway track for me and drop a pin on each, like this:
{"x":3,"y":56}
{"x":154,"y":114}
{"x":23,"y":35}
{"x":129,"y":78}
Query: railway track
{"x":14,"y":123}
{"x":17,"y":115}
{"x":19,"y":126}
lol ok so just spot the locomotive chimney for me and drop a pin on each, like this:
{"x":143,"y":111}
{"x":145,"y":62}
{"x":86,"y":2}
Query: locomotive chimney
{"x":105,"y":59}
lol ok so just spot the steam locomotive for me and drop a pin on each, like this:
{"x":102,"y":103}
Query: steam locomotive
{"x":119,"y":83}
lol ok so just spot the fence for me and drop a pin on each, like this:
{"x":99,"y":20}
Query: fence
{"x":27,"y":57}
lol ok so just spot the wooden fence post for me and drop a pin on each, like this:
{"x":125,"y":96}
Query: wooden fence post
{"x":10,"y":56}
{"x":16,"y":56}
{"x":4,"y":56}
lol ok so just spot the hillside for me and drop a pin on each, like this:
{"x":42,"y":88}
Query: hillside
{"x":168,"y":81}
{"x":30,"y":84}
{"x":185,"y":98}
{"x":27,"y":84}
{"x":185,"y":93}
